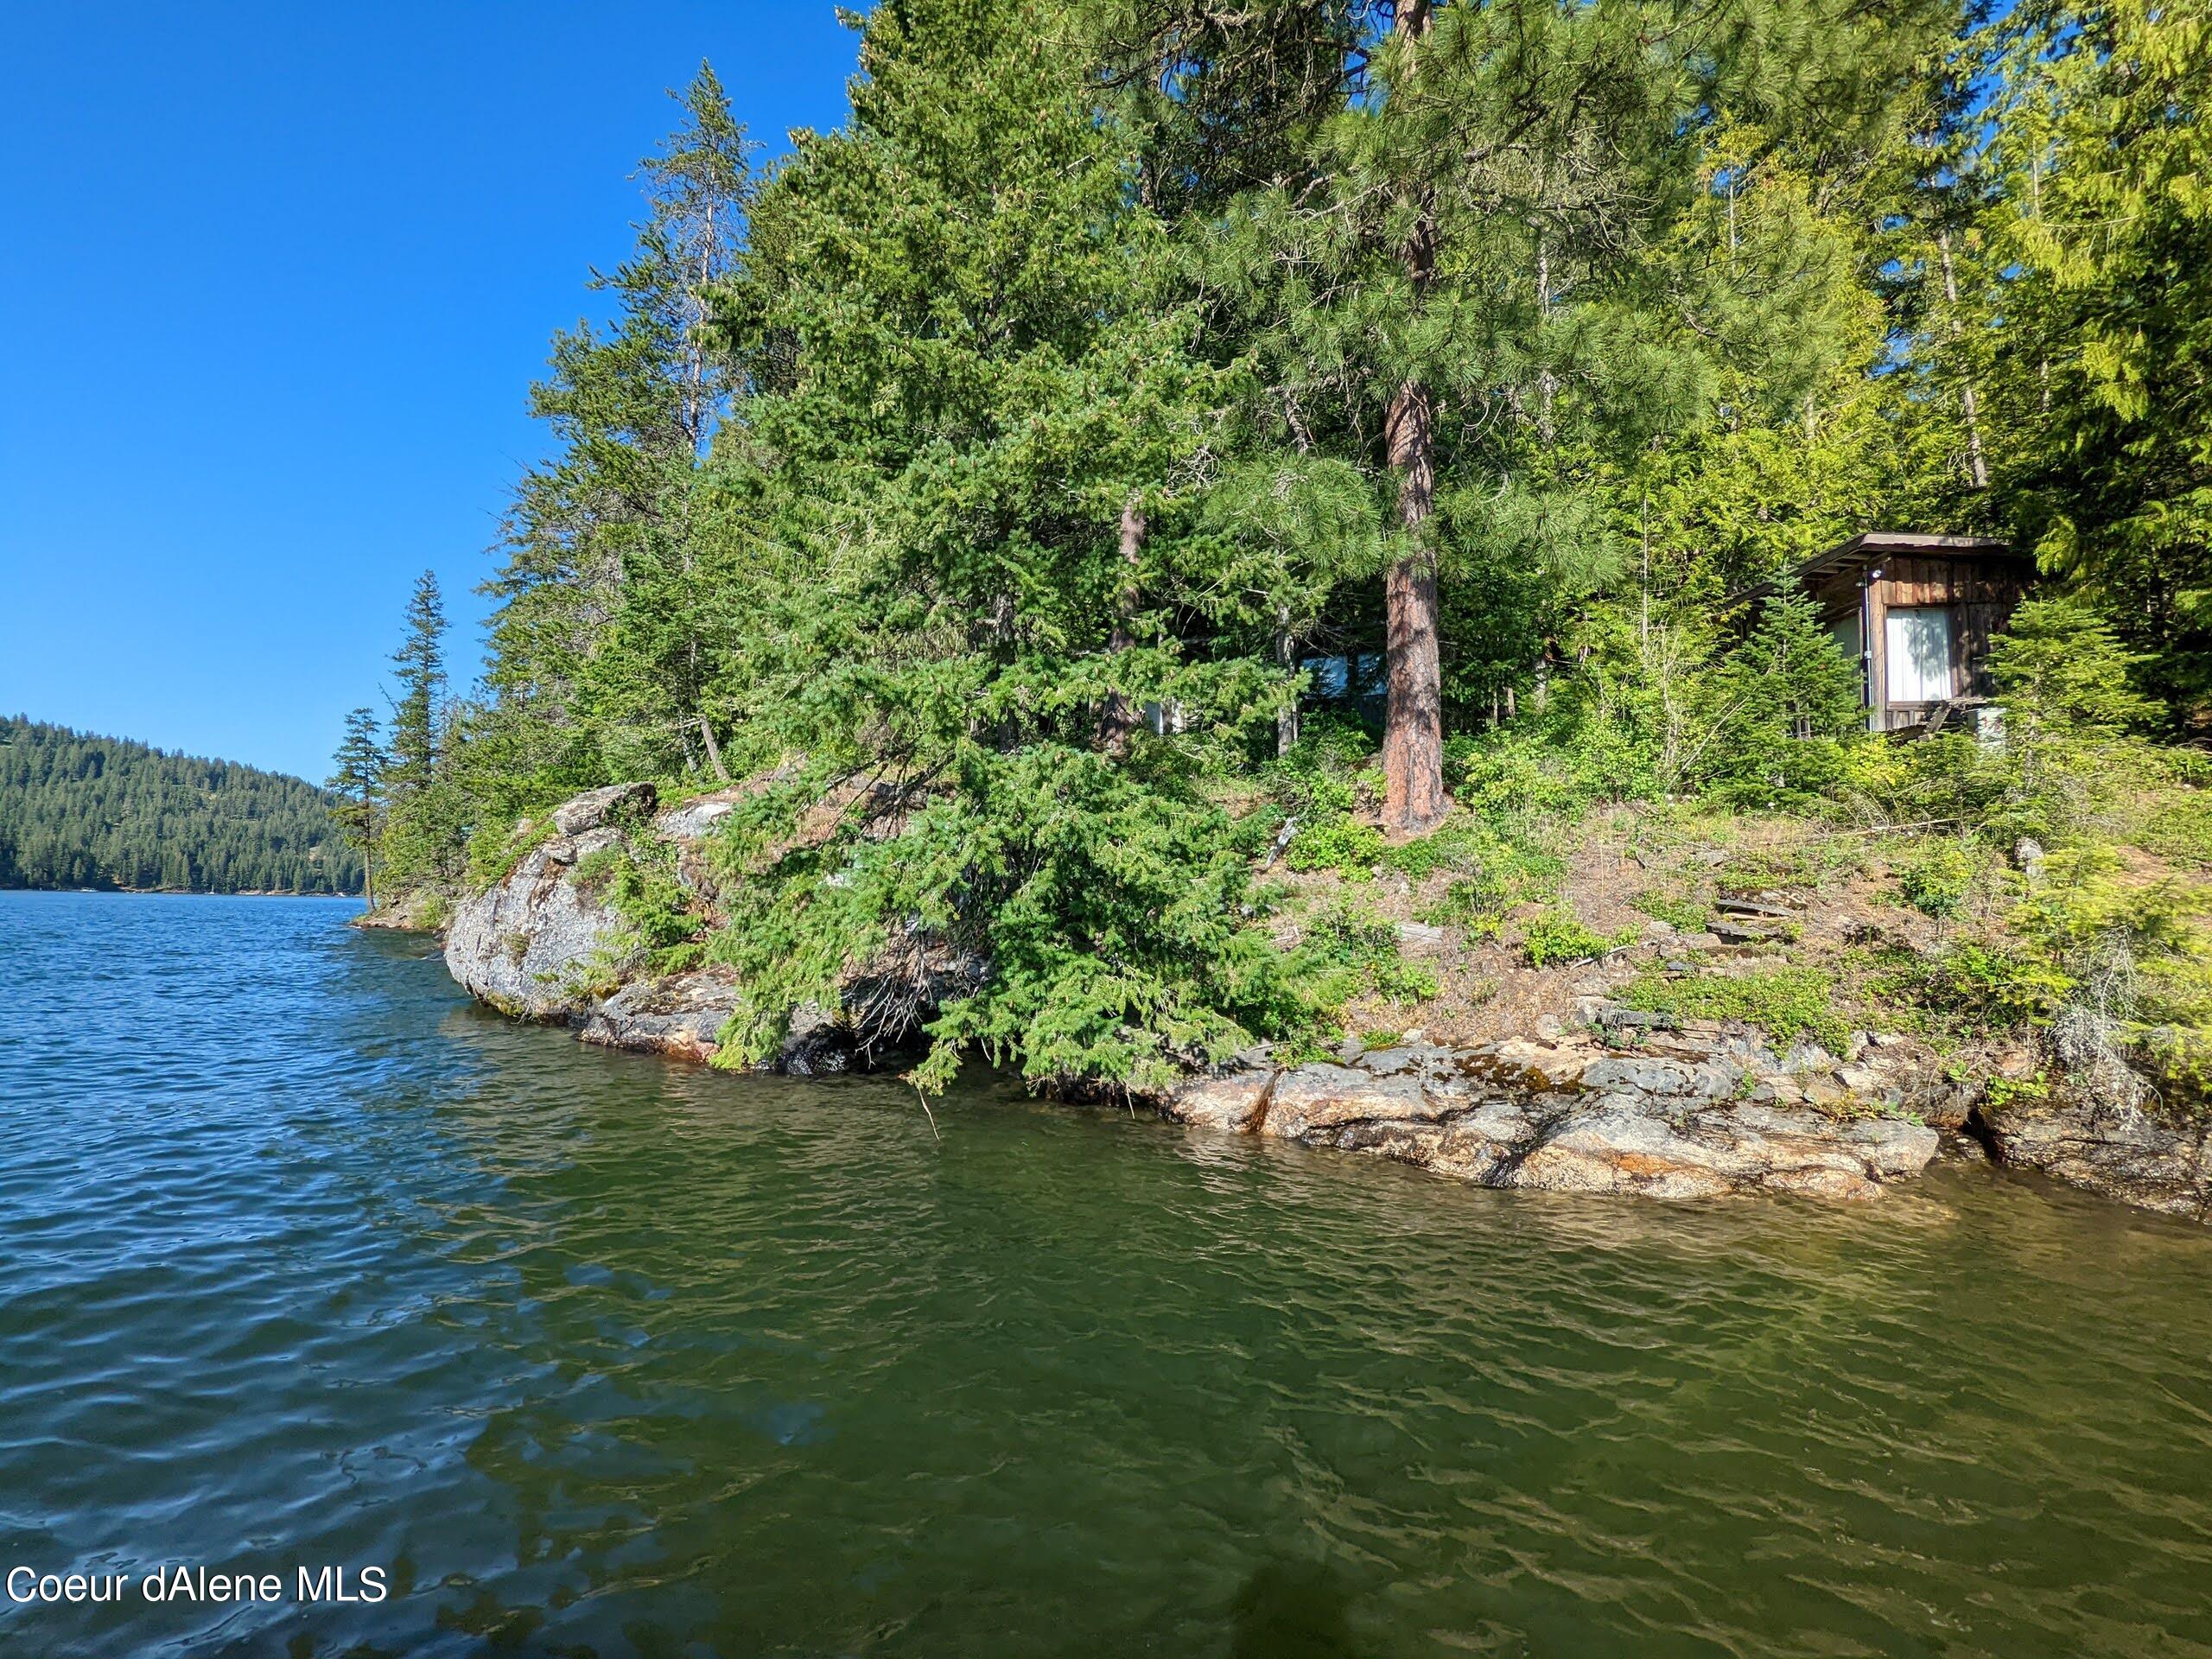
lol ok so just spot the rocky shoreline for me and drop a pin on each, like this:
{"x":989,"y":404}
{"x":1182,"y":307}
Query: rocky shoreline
{"x":1618,"y":1101}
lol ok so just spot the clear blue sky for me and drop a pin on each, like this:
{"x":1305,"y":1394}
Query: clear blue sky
{"x":275,"y":279}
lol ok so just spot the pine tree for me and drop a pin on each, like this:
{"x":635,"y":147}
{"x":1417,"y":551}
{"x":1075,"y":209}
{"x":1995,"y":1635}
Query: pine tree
{"x":2106,"y":228}
{"x":421,"y":704}
{"x":1470,"y":271}
{"x":992,"y":442}
{"x":625,"y":553}
{"x":358,"y":784}
{"x":427,"y":814}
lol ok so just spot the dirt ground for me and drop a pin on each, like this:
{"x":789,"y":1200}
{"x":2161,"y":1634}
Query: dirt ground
{"x":1782,"y":891}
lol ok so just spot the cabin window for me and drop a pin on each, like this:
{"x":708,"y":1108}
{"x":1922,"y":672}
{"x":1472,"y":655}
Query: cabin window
{"x":1923,"y":667}
{"x":1844,"y":633}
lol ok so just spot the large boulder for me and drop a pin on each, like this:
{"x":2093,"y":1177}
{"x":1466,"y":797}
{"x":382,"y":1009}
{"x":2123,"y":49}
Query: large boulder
{"x":2122,"y":1150}
{"x":681,"y":1016}
{"x":543,"y":943}
{"x":538,"y":943}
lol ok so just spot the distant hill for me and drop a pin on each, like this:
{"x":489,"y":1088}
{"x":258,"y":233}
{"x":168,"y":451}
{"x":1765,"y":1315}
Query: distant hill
{"x":78,"y":810}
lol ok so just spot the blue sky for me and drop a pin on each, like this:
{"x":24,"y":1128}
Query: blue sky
{"x":275,"y":279}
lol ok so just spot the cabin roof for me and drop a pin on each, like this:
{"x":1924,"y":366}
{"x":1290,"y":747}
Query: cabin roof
{"x":1861,"y":552}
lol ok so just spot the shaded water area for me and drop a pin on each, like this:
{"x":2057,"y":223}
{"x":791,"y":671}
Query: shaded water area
{"x":305,"y":1261}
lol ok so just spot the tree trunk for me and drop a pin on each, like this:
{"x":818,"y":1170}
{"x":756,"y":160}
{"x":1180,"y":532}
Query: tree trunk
{"x":1119,"y":728}
{"x":1413,"y":730}
{"x":1967,"y":405}
{"x":713,"y":750}
{"x":1286,"y":716}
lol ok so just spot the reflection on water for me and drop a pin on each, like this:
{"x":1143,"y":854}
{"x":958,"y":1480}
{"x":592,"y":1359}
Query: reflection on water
{"x":306,"y":1262}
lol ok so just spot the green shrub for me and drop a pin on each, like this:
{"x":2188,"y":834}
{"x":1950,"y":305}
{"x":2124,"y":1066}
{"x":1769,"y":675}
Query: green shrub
{"x":1478,"y":903}
{"x":1504,"y":873}
{"x":1973,"y":987}
{"x":1554,"y":940}
{"x":1346,"y":954}
{"x":1344,"y":845}
{"x":642,"y":889}
{"x":1316,"y":779}
{"x":1937,"y":880}
{"x":1460,"y":842}
{"x":1786,"y":1003}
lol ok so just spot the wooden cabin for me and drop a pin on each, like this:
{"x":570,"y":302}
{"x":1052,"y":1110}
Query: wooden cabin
{"x":1917,"y":612}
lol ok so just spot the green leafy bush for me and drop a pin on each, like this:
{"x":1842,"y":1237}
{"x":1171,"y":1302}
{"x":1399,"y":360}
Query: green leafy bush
{"x":1786,"y":1003}
{"x":1552,"y":940}
{"x":1344,"y":845}
{"x":1346,"y":954}
{"x":1937,"y":880}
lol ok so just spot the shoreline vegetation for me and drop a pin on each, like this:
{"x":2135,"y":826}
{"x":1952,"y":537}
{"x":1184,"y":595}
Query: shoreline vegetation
{"x":83,"y":812}
{"x":1176,"y":558}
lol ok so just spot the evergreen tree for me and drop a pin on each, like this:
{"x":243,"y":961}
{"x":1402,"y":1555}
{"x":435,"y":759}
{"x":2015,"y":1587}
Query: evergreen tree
{"x":421,"y":704}
{"x":358,"y":785}
{"x":2105,"y":224}
{"x":426,"y":815}
{"x":1468,"y":269}
{"x":626,"y":554}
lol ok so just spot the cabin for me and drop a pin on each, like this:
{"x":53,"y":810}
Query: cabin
{"x":1917,"y":612}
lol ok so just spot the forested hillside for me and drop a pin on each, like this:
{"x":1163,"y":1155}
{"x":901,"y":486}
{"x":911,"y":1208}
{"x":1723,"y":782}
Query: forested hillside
{"x":1150,"y":435}
{"x":78,"y":810}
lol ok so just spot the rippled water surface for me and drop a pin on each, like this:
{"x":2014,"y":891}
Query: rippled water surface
{"x":305,"y":1261}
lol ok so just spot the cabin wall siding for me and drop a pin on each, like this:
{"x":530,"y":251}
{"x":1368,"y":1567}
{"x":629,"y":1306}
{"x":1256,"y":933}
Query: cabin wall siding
{"x":1979,"y":592}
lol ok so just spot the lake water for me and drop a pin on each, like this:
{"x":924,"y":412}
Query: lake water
{"x":304,"y":1262}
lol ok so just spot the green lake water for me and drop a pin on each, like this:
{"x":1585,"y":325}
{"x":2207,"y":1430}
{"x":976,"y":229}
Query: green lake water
{"x":306,"y":1261}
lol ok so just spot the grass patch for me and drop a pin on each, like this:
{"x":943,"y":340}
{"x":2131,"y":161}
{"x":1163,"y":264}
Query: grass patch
{"x":1766,"y":870}
{"x":1684,"y":912}
{"x":1505,"y":874}
{"x":2178,"y":828}
{"x":1786,"y":1003}
{"x":1554,"y":940}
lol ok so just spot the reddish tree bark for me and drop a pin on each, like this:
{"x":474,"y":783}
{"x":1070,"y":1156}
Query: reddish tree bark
{"x":1412,"y":731}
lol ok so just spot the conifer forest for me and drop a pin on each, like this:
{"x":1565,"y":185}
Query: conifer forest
{"x":1171,"y":500}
